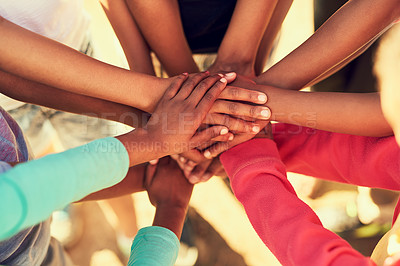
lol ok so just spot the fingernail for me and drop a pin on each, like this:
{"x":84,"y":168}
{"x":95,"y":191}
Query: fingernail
{"x":193,"y":179}
{"x":265,"y":113}
{"x":221,"y":75}
{"x":229,"y":75}
{"x":256,"y":129}
{"x":154,"y":162}
{"x":182,"y":159}
{"x":207,"y":154}
{"x":262,"y":98}
{"x":224,"y":131}
{"x":231,"y":137}
{"x":223,"y":80}
{"x":185,"y":73}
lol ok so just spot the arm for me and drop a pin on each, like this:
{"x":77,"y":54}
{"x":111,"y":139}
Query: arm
{"x":363,"y":161}
{"x":135,"y":47}
{"x":170,"y":193}
{"x":132,"y":183}
{"x":58,"y":179}
{"x":37,"y":58}
{"x":69,"y":176}
{"x":160,"y":24}
{"x":240,"y":44}
{"x":341,"y":37}
{"x":288,"y":227}
{"x":350,"y":113}
{"x":36,"y":93}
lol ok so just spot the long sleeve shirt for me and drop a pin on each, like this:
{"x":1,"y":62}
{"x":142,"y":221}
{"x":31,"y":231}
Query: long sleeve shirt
{"x":288,"y":226}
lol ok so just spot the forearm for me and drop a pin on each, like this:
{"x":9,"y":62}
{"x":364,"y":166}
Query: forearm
{"x":351,"y":113}
{"x":354,"y":25}
{"x":269,"y":38}
{"x":36,"y":58}
{"x":160,"y":23}
{"x":132,"y":183}
{"x":239,"y":47}
{"x":288,"y":227}
{"x":36,"y":93}
{"x":170,"y":217}
{"x":363,"y":161}
{"x":36,"y":188}
{"x":135,"y":47}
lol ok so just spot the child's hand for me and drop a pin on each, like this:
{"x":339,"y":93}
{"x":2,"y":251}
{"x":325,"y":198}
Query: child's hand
{"x":182,"y":109}
{"x":166,"y":184}
{"x":170,"y":192}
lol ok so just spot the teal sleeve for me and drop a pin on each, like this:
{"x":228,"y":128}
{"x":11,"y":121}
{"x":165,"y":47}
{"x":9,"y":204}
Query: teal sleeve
{"x":32,"y":191}
{"x":154,"y":245}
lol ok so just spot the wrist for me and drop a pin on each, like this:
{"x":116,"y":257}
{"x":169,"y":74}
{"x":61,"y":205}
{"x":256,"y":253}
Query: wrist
{"x":171,"y":217}
{"x":156,"y":90}
{"x":141,"y":146}
{"x":243,"y":66}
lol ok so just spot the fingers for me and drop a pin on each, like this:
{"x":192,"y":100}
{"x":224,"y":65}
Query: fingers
{"x":234,"y":124}
{"x":240,"y":94}
{"x":204,"y":86}
{"x":208,"y":134}
{"x":227,"y":137}
{"x":216,"y":149}
{"x":175,"y":85}
{"x":230,"y":77}
{"x":215,"y":168}
{"x":190,"y":84}
{"x":241,"y":110}
{"x":197,"y":173}
{"x":211,"y":95}
{"x":193,"y":155}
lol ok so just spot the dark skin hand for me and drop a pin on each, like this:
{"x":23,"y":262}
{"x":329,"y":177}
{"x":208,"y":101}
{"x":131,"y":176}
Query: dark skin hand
{"x":169,"y":191}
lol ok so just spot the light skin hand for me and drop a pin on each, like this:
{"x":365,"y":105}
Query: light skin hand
{"x":170,"y":192}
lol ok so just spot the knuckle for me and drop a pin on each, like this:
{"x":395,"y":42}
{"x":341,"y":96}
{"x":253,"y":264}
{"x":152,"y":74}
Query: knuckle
{"x":226,"y":120}
{"x":234,"y":92}
{"x":209,"y":96}
{"x":190,"y":83}
{"x":253,"y":111}
{"x":233,"y":108}
{"x":202,"y":86}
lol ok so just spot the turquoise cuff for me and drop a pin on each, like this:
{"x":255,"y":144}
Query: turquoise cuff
{"x":154,"y":245}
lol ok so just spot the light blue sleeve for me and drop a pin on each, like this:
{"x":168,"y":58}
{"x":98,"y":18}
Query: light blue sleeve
{"x":155,"y":246}
{"x":31,"y":191}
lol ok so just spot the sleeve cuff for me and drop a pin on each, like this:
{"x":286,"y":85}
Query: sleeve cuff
{"x":154,"y":245}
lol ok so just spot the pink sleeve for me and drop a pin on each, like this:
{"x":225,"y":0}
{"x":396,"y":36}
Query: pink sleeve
{"x":364,"y":161}
{"x":289,"y":228}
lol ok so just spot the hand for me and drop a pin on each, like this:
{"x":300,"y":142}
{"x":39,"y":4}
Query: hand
{"x":169,"y":192}
{"x":200,"y":171}
{"x":238,"y":108}
{"x":245,"y":69}
{"x":180,"y":112}
{"x":166,"y":184}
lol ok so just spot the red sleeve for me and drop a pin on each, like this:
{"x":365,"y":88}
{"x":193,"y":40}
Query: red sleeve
{"x":289,"y":228}
{"x":364,"y":161}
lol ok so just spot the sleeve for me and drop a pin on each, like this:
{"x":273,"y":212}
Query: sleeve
{"x":287,"y":226}
{"x":32,"y":191}
{"x":154,"y":245}
{"x":358,"y":160}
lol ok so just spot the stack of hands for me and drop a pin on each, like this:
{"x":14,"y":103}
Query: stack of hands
{"x":211,"y":113}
